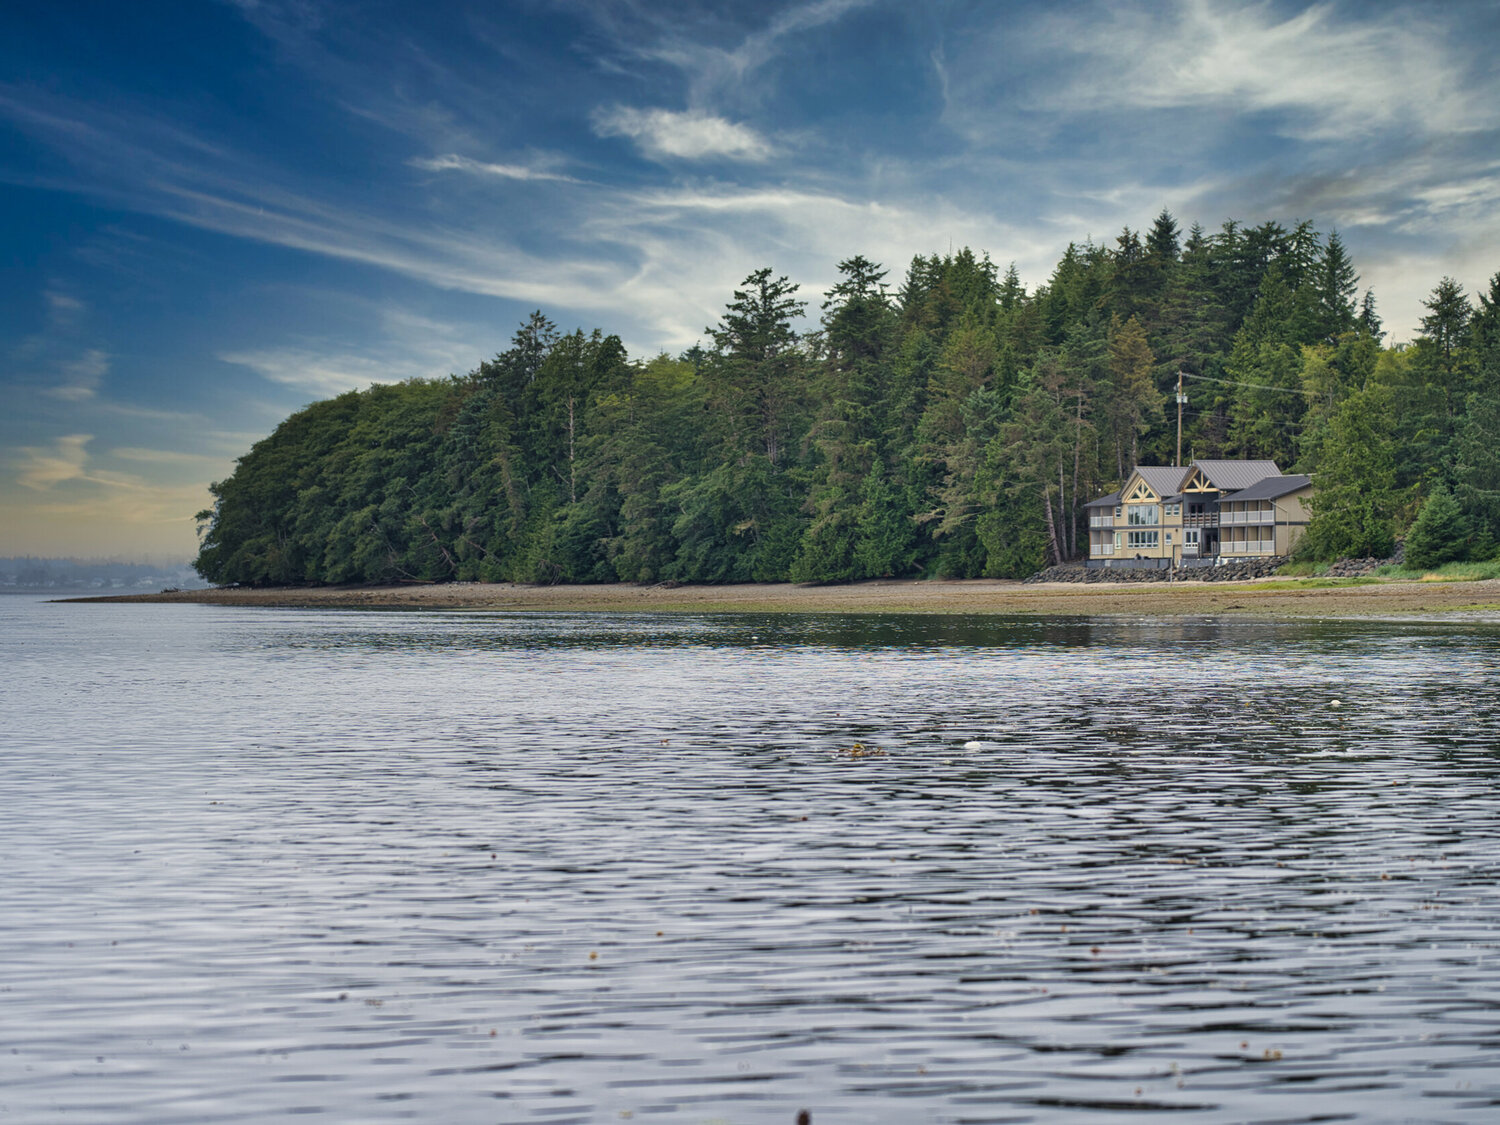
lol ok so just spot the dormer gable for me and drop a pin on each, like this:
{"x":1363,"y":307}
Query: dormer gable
{"x":1198,"y":482}
{"x":1151,"y":484}
{"x":1230,"y":476}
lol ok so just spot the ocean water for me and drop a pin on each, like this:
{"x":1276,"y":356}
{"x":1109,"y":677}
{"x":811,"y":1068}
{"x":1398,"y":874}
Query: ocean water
{"x":464,"y":867}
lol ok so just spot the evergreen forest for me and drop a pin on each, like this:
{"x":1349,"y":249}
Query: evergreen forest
{"x":949,"y":424}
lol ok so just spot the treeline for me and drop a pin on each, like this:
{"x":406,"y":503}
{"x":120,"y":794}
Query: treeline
{"x":33,"y":573}
{"x":951,"y":425}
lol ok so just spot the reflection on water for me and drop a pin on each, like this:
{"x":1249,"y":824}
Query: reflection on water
{"x":382,"y":866}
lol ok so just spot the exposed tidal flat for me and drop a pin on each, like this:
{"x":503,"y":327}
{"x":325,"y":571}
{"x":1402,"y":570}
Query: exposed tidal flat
{"x":1267,"y":597}
{"x":718,"y":867}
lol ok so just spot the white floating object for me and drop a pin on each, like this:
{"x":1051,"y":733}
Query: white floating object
{"x":1334,"y":703}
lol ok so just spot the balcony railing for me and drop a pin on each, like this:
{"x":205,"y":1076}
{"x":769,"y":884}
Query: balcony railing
{"x":1210,"y":519}
{"x":1101,"y":521}
{"x":1247,"y":517}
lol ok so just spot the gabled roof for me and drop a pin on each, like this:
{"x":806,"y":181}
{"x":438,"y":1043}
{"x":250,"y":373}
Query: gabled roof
{"x":1271,"y":488}
{"x":1165,"y":480}
{"x":1168,"y":481}
{"x":1229,"y":476}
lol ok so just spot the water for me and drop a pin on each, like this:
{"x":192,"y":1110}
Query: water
{"x":491,"y":868}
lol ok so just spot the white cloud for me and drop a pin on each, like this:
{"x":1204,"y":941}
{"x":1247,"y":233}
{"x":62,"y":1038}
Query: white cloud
{"x":62,"y":307}
{"x":308,"y":370}
{"x":1332,"y":77}
{"x":194,"y":461}
{"x":42,"y":468}
{"x":455,"y":163}
{"x":694,"y":246}
{"x":82,"y":376}
{"x":665,"y":134}
{"x":716,"y":74}
{"x":411,"y":346}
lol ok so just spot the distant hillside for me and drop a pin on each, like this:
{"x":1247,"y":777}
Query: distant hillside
{"x":26,"y":574}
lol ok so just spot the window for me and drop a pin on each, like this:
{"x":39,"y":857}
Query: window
{"x":1174,"y":509}
{"x":1169,"y":539}
{"x":1142,"y":540}
{"x":1190,"y":537}
{"x":1119,"y":512}
{"x":1144,"y":515}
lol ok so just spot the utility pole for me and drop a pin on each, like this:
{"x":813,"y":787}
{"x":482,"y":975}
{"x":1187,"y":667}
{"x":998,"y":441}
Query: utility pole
{"x":1181,"y":399}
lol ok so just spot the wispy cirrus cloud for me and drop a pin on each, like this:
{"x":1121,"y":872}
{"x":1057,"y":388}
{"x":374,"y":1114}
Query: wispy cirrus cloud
{"x":1329,"y":75}
{"x":410,"y":346}
{"x":173,"y":457}
{"x":43,"y":467}
{"x":81,"y":376}
{"x":62,"y":308}
{"x":716,"y":73}
{"x":665,"y":134}
{"x":452,"y":162}
{"x":315,"y":371}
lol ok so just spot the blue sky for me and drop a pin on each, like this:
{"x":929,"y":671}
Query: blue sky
{"x":215,"y":212}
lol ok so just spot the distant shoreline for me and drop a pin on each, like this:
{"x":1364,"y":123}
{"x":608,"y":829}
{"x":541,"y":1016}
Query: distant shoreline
{"x":1270,"y":597}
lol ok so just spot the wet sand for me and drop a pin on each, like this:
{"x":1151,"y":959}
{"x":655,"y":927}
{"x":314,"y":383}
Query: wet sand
{"x":1268,"y":597}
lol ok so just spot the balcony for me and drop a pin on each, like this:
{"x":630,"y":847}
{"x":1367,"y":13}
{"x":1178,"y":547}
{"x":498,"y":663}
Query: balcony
{"x":1210,"y":519}
{"x":1101,"y":521}
{"x":1264,"y":517}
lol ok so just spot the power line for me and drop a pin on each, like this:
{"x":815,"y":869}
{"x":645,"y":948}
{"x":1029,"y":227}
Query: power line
{"x":1241,"y":383}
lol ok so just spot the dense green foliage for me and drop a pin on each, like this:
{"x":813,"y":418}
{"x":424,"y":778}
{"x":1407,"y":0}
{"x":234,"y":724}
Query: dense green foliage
{"x":953,"y":426}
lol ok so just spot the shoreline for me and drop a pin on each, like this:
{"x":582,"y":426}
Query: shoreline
{"x":1262,"y":597}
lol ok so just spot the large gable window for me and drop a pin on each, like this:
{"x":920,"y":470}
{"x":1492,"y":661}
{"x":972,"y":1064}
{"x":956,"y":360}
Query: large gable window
{"x":1143,"y":515}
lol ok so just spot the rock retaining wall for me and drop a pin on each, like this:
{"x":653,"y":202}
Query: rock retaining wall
{"x":1241,"y":571}
{"x":1238,"y":571}
{"x":1358,"y":568}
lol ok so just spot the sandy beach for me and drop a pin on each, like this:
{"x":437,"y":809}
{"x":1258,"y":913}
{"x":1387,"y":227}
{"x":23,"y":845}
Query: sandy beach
{"x":1271,"y":597}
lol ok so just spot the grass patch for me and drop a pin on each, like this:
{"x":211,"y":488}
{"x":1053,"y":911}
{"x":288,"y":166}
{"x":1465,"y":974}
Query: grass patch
{"x":1303,"y":570}
{"x":1448,"y":572}
{"x":1313,"y":583}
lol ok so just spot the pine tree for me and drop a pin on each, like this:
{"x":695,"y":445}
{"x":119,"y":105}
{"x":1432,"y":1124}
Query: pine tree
{"x":1162,"y":245}
{"x":1335,"y":285}
{"x":1369,"y":320}
{"x":1356,"y":498}
{"x":1440,"y":534}
{"x":1441,"y":359}
{"x":757,"y":371}
{"x":1134,"y":402}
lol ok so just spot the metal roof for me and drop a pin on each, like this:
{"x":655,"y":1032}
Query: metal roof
{"x":1227,"y":476}
{"x":1163,"y":479}
{"x":1230,"y":476}
{"x":1271,"y":487}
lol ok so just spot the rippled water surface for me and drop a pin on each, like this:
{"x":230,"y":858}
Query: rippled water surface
{"x":490,"y":868}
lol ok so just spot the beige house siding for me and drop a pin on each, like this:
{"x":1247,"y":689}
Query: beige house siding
{"x":1291,"y":519}
{"x":1139,"y":526}
{"x":1142,"y":525}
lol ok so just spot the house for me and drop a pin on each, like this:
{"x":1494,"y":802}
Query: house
{"x":1198,"y":515}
